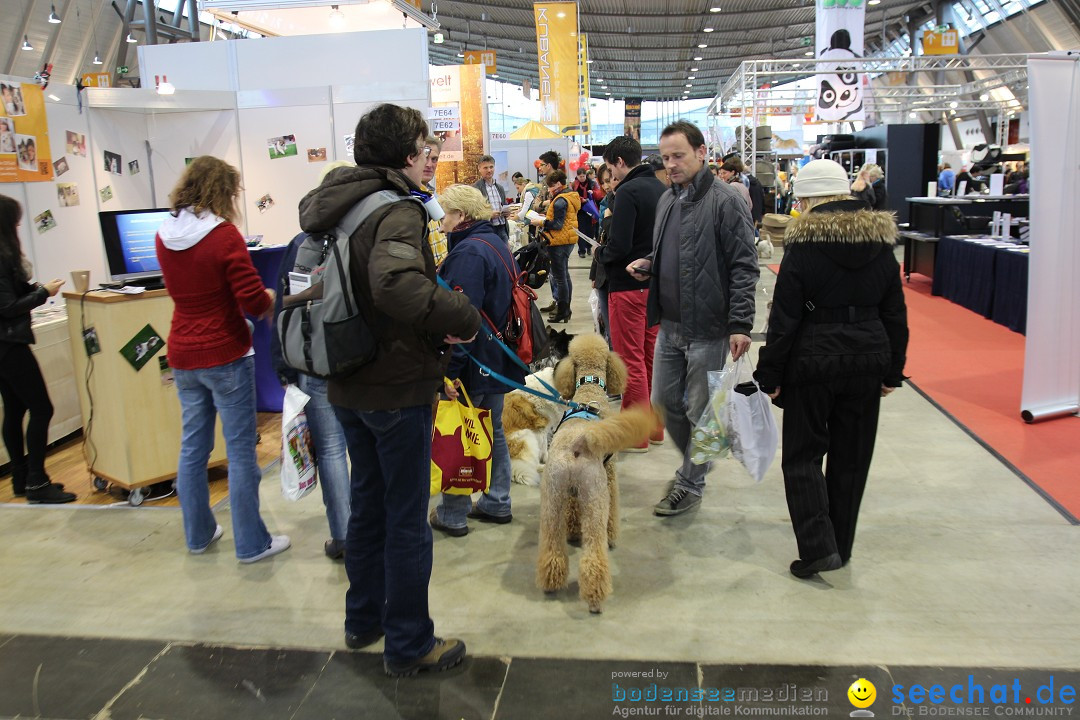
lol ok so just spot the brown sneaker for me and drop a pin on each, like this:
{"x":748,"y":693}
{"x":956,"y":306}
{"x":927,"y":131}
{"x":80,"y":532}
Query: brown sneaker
{"x":446,"y":654}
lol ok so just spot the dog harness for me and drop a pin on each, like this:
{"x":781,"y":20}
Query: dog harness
{"x":591,"y":380}
{"x":583,"y":412}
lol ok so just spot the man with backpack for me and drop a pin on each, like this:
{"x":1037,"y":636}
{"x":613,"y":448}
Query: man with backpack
{"x":385,"y":405}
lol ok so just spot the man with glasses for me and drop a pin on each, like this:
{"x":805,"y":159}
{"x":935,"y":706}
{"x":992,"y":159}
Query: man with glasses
{"x":436,"y":238}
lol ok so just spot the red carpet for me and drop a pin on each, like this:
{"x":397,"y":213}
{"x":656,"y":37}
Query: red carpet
{"x":973,"y":369}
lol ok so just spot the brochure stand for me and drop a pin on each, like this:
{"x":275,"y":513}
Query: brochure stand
{"x":130,"y":409}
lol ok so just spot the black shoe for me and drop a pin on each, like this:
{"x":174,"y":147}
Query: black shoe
{"x":477,"y":514}
{"x":446,"y":654}
{"x":550,"y":307}
{"x":808,"y":568}
{"x":562,"y":314}
{"x":18,"y":477}
{"x":334,"y":549}
{"x":581,"y":255}
{"x":436,"y":524}
{"x":48,"y":494}
{"x":357,"y":642}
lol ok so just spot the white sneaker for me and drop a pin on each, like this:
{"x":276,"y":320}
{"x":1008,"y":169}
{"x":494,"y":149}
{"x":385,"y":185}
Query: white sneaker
{"x":218,"y":532}
{"x":278,"y":544}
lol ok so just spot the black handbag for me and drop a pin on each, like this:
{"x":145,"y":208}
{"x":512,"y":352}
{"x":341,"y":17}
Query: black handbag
{"x":534,"y":261}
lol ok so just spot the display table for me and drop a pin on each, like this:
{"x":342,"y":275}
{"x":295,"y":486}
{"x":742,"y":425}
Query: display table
{"x":920,"y":253}
{"x":986,"y":276}
{"x":134,"y":436}
{"x":53,"y":354}
{"x":269,"y":394}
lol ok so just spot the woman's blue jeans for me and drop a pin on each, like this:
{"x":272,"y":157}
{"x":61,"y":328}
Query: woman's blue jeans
{"x":330,"y":450}
{"x":228,"y":390}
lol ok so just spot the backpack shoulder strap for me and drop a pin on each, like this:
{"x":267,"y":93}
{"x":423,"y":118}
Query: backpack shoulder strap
{"x":364,"y":209}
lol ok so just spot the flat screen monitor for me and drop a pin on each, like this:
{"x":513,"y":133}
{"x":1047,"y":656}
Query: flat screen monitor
{"x":129,"y":243}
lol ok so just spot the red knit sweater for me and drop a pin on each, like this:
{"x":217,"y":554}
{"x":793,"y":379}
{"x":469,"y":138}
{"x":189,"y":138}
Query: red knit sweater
{"x":211,"y":284}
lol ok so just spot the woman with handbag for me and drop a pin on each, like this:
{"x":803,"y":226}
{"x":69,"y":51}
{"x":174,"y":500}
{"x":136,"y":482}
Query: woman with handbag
{"x":836,"y":344}
{"x":480,"y":265}
{"x":21,"y":384}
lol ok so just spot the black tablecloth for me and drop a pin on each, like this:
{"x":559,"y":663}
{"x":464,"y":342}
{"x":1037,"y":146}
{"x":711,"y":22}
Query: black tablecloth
{"x":991,"y":281}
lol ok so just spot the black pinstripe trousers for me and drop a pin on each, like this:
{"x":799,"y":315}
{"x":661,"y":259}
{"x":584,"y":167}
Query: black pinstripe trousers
{"x":839,"y":419}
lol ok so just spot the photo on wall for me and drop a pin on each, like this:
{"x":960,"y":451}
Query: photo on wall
{"x":7,"y":135}
{"x":76,"y":144}
{"x":67,"y":194}
{"x":264,"y":203}
{"x":133,"y":167}
{"x":316,"y":155}
{"x":113,"y":163}
{"x":106,"y":193}
{"x":26,"y":147}
{"x":350,"y":144}
{"x":13,"y":99}
{"x":60,"y":166}
{"x":284,"y":146}
{"x":45,"y":221}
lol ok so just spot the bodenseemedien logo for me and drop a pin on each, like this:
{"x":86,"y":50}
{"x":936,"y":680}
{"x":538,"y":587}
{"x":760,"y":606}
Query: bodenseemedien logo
{"x":862,"y":695}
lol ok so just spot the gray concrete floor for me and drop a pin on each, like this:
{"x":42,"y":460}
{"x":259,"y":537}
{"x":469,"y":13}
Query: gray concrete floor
{"x":956,"y":562}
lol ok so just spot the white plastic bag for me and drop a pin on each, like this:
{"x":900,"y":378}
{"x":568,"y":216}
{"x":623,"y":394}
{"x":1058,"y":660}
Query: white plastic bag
{"x":709,"y":441}
{"x":298,"y":472}
{"x":594,"y":305}
{"x":751,"y":427}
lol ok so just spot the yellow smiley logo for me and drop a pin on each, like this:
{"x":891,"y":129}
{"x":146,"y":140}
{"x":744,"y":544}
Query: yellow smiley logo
{"x":862,"y":693}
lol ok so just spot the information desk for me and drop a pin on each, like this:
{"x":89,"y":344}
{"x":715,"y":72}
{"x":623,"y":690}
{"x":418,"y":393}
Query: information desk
{"x":986,"y":276}
{"x":134,"y":437}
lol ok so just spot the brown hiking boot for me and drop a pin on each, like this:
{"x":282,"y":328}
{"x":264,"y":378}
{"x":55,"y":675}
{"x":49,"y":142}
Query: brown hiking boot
{"x":446,"y":654}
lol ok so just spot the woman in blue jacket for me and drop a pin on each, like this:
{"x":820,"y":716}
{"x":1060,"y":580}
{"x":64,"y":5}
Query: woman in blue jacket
{"x":480,"y":265}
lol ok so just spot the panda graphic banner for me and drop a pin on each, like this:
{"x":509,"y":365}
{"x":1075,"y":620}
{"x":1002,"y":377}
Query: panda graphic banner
{"x":839,"y":39}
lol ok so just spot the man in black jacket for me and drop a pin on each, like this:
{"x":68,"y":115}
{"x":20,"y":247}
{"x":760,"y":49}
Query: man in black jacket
{"x":629,"y":239}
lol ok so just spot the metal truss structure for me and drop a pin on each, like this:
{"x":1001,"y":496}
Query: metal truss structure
{"x":749,"y":94}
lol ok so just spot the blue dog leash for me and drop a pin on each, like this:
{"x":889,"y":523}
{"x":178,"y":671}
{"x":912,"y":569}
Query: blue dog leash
{"x":553,"y":397}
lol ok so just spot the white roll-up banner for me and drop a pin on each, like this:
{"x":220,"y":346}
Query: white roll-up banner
{"x":1052,"y":350}
{"x":839,"y":38}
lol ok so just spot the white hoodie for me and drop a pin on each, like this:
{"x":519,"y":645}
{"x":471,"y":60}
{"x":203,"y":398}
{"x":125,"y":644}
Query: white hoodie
{"x":187,"y":229}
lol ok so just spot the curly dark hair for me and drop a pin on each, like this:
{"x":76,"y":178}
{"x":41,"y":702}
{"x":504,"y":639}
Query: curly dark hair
{"x":11,"y":253}
{"x":623,"y":147}
{"x":387,"y":136}
{"x":555,"y":176}
{"x":208,"y":183}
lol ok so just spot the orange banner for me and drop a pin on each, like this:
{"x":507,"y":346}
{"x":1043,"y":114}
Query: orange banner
{"x":482,"y":57}
{"x":946,"y":42}
{"x":557,"y":55}
{"x":463,"y":147}
{"x":24,"y":134}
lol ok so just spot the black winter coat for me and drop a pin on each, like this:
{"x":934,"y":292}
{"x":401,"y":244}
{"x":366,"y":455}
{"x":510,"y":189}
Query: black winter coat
{"x":17,"y":299}
{"x":839,"y":260}
{"x":633,"y":216}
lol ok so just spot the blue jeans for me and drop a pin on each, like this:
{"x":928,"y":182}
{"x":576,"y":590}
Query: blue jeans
{"x":330,"y":450}
{"x":496,"y":501}
{"x":605,"y":315}
{"x":561,"y":287}
{"x":388,"y":546}
{"x":681,"y":387}
{"x":229,"y":390}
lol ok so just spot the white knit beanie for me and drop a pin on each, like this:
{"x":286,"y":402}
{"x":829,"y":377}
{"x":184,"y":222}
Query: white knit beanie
{"x":821,"y":178}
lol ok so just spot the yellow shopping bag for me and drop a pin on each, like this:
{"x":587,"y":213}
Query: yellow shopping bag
{"x":461,"y":443}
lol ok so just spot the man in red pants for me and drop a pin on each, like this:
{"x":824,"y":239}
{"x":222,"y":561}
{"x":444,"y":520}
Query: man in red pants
{"x":631,"y":238}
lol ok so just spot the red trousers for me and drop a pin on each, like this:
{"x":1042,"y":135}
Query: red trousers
{"x":634,"y":341}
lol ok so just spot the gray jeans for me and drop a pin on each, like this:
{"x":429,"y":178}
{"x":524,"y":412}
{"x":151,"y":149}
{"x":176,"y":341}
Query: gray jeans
{"x":681,"y":388}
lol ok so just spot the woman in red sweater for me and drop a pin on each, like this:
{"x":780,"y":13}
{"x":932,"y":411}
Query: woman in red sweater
{"x":209,"y":275}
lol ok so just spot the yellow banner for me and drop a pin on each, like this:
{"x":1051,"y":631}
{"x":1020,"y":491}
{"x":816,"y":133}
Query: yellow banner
{"x":463,"y":147}
{"x":557,"y":54}
{"x":482,"y":57}
{"x":583,"y":86}
{"x":24,"y":134}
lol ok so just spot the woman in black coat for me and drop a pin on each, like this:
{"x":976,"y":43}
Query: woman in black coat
{"x":21,"y":384}
{"x":836,"y":344}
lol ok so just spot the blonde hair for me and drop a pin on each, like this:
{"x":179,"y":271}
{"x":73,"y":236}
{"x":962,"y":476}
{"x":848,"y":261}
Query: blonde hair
{"x":333,"y":166}
{"x":208,"y":183}
{"x":806,"y":203}
{"x":467,"y":200}
{"x":873,"y":171}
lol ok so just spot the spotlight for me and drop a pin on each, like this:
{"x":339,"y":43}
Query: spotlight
{"x":698,"y":58}
{"x":809,"y":53}
{"x":689,"y":85}
{"x":26,"y":43}
{"x":703,"y":46}
{"x":97,"y":58}
{"x":131,"y":39}
{"x":984,"y":97}
{"x":714,"y":9}
{"x":954,"y":104}
{"x":53,"y":17}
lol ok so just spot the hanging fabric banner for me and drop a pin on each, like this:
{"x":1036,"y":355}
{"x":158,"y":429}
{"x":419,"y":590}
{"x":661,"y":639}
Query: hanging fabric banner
{"x":632,"y":119}
{"x":24,"y":134}
{"x":458,"y":117}
{"x":839,"y":38}
{"x":557,"y":56}
{"x":583,"y":87}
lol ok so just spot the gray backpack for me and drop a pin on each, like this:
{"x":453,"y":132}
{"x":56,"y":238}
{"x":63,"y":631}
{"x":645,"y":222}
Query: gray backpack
{"x":322,"y":331}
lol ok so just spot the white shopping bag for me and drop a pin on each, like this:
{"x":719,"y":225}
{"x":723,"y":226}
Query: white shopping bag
{"x":594,"y":305}
{"x":751,"y":427}
{"x":299,"y":474}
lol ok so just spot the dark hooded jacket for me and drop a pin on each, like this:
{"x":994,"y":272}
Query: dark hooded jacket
{"x":839,"y":261}
{"x":393,"y":277}
{"x":17,"y":298}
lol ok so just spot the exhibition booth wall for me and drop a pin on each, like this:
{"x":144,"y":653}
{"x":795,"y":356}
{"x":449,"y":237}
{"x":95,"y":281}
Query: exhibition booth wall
{"x":233,"y":100}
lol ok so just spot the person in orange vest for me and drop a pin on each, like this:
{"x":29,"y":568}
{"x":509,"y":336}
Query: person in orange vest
{"x":560,"y":225}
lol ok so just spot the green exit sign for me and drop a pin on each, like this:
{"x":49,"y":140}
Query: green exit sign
{"x":807,"y":41}
{"x":122,"y":70}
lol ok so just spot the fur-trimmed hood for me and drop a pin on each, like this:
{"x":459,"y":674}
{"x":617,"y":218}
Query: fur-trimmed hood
{"x":844,"y":230}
